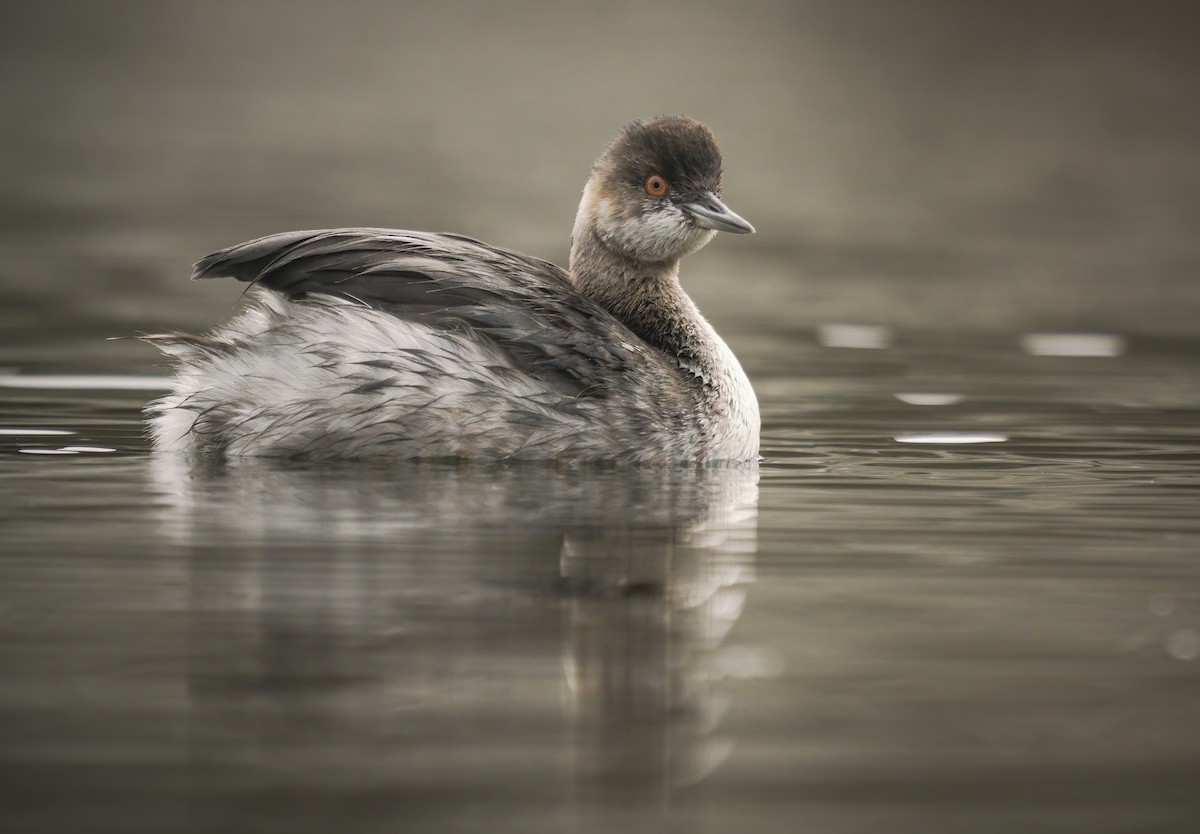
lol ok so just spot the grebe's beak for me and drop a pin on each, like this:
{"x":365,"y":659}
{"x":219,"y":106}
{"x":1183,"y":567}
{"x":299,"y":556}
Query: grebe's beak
{"x":710,"y":213}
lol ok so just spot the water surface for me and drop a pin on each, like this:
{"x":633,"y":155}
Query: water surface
{"x":971,"y":615}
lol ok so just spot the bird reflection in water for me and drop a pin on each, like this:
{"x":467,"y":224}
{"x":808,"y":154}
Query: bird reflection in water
{"x":654,"y":600}
{"x":460,"y":627}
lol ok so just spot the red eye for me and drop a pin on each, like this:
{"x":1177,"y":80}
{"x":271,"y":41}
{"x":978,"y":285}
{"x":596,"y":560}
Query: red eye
{"x":656,"y":186}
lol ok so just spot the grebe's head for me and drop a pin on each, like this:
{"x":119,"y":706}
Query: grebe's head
{"x":654,"y":194}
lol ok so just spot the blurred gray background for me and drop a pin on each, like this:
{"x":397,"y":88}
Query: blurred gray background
{"x":982,"y":166}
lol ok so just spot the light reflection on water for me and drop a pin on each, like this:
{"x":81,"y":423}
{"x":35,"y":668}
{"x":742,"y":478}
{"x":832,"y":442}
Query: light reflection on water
{"x":1073,"y":344}
{"x":864,"y":632}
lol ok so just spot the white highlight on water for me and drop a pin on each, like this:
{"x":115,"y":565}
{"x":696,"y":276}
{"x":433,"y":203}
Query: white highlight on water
{"x":918,"y":398}
{"x":24,"y":432}
{"x":1073,"y":344}
{"x":86,"y":382}
{"x":1184,"y":644}
{"x":950,"y":437}
{"x":860,"y":336}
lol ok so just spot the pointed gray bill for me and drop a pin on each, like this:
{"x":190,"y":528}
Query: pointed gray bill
{"x":710,"y":213}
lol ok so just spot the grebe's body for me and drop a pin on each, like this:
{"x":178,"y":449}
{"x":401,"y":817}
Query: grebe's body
{"x":370,"y":342}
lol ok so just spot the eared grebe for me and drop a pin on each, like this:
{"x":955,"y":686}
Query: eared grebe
{"x":374,"y":342}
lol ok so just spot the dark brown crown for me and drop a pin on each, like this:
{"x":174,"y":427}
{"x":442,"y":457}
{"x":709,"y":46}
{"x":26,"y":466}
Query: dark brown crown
{"x":681,"y":149}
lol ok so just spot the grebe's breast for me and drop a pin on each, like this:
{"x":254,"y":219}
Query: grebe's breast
{"x":369,"y":342}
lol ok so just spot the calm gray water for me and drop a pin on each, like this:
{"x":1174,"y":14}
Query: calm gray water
{"x":864,"y":634}
{"x":961,"y":593}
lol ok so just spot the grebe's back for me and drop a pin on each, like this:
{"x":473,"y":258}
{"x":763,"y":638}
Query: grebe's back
{"x":369,"y":342}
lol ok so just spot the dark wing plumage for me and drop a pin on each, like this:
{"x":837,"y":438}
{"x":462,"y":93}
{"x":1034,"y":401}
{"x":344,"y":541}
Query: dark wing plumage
{"x":526,"y":306}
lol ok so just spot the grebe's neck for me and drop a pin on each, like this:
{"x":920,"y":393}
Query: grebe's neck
{"x":646,"y":297}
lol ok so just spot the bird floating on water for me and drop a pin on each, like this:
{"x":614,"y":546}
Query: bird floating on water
{"x":363,"y":343}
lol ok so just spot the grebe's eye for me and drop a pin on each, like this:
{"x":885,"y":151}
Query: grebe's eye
{"x":656,"y":186}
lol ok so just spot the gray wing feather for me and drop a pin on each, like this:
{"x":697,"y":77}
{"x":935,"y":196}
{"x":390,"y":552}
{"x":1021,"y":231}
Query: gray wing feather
{"x":526,"y":306}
